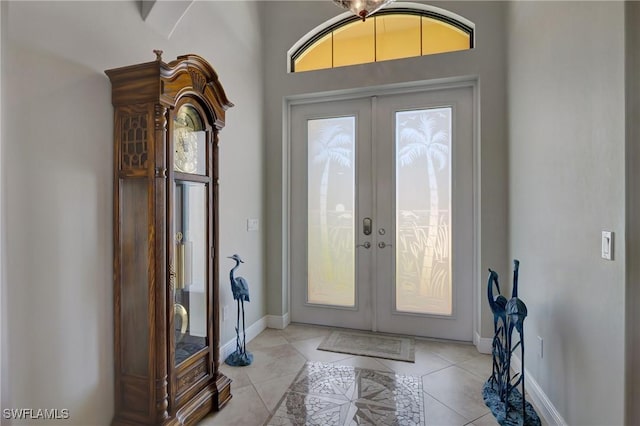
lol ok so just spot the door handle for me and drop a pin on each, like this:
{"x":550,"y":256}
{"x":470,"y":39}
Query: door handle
{"x":366,"y":226}
{"x":382,"y":244}
{"x":366,"y":245}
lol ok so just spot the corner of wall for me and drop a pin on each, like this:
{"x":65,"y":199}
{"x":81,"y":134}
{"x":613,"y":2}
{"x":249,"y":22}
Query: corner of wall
{"x":5,"y":373}
{"x":632,"y":154}
{"x":4,"y":391}
{"x":278,"y":322}
{"x":484,"y":345}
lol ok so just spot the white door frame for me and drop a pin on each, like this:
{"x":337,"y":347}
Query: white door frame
{"x":413,"y":87}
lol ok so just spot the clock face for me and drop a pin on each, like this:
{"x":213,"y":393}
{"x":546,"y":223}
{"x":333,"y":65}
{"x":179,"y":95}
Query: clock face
{"x":188,"y":139}
{"x":186,"y":155}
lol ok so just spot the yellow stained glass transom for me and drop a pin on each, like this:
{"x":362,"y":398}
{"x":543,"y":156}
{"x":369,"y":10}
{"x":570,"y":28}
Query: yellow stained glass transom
{"x":317,"y":56}
{"x":397,"y":36}
{"x":354,"y":44}
{"x":440,"y":37}
{"x":386,"y":36}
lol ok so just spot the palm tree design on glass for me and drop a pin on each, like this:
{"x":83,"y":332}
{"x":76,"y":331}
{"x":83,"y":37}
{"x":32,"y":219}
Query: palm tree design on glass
{"x":423,"y":137}
{"x":332,"y":144}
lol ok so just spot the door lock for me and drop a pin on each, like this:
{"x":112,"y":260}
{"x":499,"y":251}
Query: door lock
{"x":366,"y":226}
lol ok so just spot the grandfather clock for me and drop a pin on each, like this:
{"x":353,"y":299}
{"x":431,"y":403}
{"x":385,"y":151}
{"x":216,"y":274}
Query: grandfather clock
{"x":167,"y":117}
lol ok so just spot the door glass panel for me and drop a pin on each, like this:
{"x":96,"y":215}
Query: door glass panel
{"x":423,"y":211}
{"x":190,"y":307}
{"x":331,"y":201}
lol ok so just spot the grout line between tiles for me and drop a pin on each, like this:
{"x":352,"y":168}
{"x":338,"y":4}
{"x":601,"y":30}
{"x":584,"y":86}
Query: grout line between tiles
{"x":453,"y":409}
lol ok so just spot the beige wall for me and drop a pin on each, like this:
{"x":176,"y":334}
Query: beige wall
{"x":57,"y":169}
{"x":566,"y":88}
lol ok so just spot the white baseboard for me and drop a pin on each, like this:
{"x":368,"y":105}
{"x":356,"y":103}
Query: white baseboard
{"x":252,"y":331}
{"x":278,"y":321}
{"x":540,"y":399}
{"x":483,"y":344}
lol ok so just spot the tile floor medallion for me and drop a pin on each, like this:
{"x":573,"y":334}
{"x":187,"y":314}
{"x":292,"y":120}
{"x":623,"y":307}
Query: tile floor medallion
{"x":337,"y":395}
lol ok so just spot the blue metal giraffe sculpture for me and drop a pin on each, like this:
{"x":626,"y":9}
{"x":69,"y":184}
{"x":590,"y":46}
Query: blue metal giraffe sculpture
{"x":240,"y":291}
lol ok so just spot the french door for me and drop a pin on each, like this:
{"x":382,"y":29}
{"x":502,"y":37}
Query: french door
{"x":381,"y":219}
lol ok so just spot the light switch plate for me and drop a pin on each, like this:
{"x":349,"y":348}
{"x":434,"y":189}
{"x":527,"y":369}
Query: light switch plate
{"x":540,"y":347}
{"x":607,"y":245}
{"x":253,"y":225}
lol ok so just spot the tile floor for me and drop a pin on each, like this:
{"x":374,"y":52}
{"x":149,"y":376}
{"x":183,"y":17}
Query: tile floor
{"x":337,"y":395}
{"x":452,"y":375}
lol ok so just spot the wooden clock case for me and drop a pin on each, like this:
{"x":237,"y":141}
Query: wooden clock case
{"x":150,"y":311}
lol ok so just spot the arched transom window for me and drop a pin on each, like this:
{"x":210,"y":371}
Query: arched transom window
{"x":401,"y":31}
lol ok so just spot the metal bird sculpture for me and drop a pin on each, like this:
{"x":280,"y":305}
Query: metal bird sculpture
{"x":517,"y":311}
{"x":498,"y":303}
{"x":240,"y":291}
{"x":498,"y":307}
{"x":239,"y":286}
{"x":500,"y":391}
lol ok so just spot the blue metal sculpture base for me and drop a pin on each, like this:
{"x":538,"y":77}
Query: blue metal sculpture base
{"x":513,"y":416}
{"x":239,"y":359}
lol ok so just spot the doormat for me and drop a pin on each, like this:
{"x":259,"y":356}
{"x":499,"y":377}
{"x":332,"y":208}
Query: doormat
{"x":370,"y":344}
{"x":330,"y":394}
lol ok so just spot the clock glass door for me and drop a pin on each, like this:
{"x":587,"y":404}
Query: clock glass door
{"x":190,"y":307}
{"x":190,"y":234}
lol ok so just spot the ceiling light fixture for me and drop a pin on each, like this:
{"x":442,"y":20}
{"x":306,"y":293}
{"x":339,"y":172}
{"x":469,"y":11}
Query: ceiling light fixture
{"x":363,"y":8}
